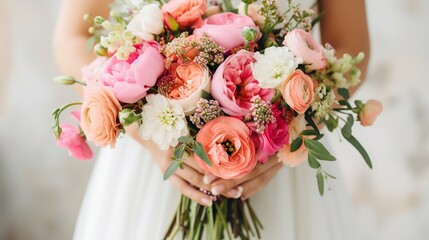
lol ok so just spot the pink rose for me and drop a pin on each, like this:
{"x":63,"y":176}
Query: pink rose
{"x":369,"y":112}
{"x":225,"y":29}
{"x":293,"y":159}
{"x":130,"y":79}
{"x":229,"y":148}
{"x":298,"y":91}
{"x":91,"y":72}
{"x":233,"y":84}
{"x":275,"y":136}
{"x":99,"y":115}
{"x":304,"y":46}
{"x":187,"y":13}
{"x":71,"y":139}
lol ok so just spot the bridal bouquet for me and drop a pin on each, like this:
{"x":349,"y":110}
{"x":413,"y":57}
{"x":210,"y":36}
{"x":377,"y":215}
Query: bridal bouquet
{"x":225,"y":86}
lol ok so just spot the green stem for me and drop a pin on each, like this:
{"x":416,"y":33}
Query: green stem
{"x":246,"y":9}
{"x":228,"y":5}
{"x":67,"y":106}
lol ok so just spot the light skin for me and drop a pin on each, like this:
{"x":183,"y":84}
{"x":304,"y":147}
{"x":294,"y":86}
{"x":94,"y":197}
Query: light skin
{"x":343,"y":25}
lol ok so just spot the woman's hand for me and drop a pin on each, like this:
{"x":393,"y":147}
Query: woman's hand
{"x":186,"y":180}
{"x":248,"y":185}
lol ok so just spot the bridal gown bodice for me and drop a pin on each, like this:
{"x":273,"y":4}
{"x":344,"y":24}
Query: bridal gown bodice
{"x":127,"y":200}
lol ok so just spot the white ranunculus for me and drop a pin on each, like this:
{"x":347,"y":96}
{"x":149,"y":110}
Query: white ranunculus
{"x":163,"y":121}
{"x":147,"y":22}
{"x":274,"y":66}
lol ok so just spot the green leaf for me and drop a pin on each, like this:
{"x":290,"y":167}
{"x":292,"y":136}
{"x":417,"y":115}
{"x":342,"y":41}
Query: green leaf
{"x":347,"y":128}
{"x":320,"y":182}
{"x":343,"y":92}
{"x":179,"y":151}
{"x":171,"y":170}
{"x":331,"y":123}
{"x":296,"y":144}
{"x":201,"y":153}
{"x":318,"y":150}
{"x":309,"y":132}
{"x":185,"y":139}
{"x":206,"y":95}
{"x":360,"y":148}
{"x":345,"y":103}
{"x":312,"y":161}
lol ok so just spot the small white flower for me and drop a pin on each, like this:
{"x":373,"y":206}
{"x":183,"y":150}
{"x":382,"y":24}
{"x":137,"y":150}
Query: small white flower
{"x":147,"y":22}
{"x":163,"y":121}
{"x":274,"y":66}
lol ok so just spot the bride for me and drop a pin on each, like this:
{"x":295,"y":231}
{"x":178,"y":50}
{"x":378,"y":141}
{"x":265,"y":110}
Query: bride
{"x":127,"y":199}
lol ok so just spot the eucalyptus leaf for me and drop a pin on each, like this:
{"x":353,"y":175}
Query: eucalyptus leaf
{"x":312,"y":161}
{"x":347,"y":128}
{"x":331,"y":123}
{"x":320,"y":182}
{"x":171,"y":170}
{"x":206,"y":95}
{"x":318,"y":150}
{"x":309,"y":132}
{"x":185,"y":139}
{"x":201,"y":153}
{"x":343,"y":92}
{"x":296,"y":144}
{"x":179,"y":151}
{"x":360,"y":148}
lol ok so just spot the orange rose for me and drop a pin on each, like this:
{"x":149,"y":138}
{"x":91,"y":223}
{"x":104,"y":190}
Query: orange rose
{"x":369,"y":112}
{"x":298,"y":91}
{"x":187,"y":13}
{"x":228,"y":146}
{"x":99,"y":115}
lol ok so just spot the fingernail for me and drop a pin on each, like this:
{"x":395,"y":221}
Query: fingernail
{"x":209,"y":178}
{"x":217,"y":189}
{"x":207,"y":202}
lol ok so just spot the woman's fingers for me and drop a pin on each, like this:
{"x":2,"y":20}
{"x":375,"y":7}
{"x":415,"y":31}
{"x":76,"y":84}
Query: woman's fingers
{"x":189,"y":191}
{"x":253,"y":186}
{"x":191,"y":163}
{"x":223,"y":186}
{"x":193,"y":177}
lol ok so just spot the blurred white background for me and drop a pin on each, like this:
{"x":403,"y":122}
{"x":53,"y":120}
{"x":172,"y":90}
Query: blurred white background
{"x":41,"y":187}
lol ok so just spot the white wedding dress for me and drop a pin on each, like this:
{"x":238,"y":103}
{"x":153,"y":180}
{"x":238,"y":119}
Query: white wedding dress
{"x":127,"y":200}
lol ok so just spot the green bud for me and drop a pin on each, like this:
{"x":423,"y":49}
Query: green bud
{"x":99,"y":20}
{"x":128,"y":117}
{"x":91,"y":30}
{"x":359,"y":58}
{"x":249,"y":34}
{"x":171,"y":23}
{"x":66,"y":80}
{"x":101,"y":51}
{"x":87,"y":18}
{"x":248,"y":1}
{"x":57,"y":131}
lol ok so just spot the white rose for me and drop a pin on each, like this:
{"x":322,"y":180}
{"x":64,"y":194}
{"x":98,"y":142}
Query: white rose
{"x":274,"y":66}
{"x":147,"y":22}
{"x":163,"y":121}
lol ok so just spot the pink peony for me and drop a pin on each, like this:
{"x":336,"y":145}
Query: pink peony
{"x":91,"y":72}
{"x":304,"y":46}
{"x":298,"y":91}
{"x":225,"y":29}
{"x":229,"y":148}
{"x":71,"y":139}
{"x":99,"y":115}
{"x":369,"y":112}
{"x":187,"y":13}
{"x":275,"y":136}
{"x":233,"y":84}
{"x":130,"y":79}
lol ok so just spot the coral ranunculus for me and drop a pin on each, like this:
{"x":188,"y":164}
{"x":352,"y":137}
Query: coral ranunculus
{"x":304,"y":46}
{"x":225,"y":29}
{"x":71,"y":139}
{"x":130,"y":79}
{"x":187,"y":13}
{"x":234,"y":86}
{"x":99,"y":114}
{"x":228,"y":146}
{"x":298,"y":91}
